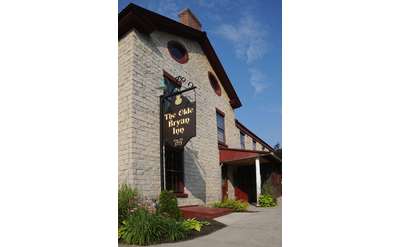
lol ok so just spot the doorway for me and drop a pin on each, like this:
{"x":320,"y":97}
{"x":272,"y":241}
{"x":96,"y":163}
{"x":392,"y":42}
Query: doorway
{"x":245,"y":184}
{"x":174,"y":169}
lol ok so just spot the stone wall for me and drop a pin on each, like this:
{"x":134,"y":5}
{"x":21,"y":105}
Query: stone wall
{"x":125,"y":97}
{"x":142,"y":60}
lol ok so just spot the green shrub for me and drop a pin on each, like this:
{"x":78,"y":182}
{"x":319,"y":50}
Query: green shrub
{"x":193,"y":224}
{"x":268,"y":188}
{"x":127,"y":201}
{"x":175,"y":229}
{"x":120,"y":231}
{"x":168,"y":205}
{"x":143,"y":228}
{"x":267,"y":201}
{"x":235,"y":205}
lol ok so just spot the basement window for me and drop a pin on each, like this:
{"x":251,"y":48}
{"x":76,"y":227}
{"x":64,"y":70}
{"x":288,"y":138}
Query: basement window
{"x":178,"y":52}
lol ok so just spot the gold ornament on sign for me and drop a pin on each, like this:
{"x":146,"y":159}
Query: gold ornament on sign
{"x":178,"y":100}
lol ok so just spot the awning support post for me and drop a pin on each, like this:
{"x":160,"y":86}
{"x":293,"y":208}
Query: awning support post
{"x":258,"y":178}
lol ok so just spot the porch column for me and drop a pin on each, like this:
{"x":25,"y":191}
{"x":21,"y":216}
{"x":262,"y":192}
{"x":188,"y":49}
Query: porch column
{"x":258,"y":178}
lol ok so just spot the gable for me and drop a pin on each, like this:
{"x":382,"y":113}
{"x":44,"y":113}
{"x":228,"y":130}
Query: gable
{"x":146,"y":22}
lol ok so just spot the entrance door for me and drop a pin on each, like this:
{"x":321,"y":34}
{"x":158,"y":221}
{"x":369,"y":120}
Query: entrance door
{"x":245,"y":183}
{"x":174,"y":170}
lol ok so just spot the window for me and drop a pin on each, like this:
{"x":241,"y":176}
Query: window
{"x":178,"y":52}
{"x":221,"y":127}
{"x":174,"y":175}
{"x":170,"y":86}
{"x":254,"y":145}
{"x":242,"y":136}
{"x":214,"y":83}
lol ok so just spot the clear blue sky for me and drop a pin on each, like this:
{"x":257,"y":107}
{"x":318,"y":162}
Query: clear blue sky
{"x":247,"y":36}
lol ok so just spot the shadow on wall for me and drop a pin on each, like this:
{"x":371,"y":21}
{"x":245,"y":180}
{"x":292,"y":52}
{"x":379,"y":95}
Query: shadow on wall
{"x":194,"y":175}
{"x":147,"y":39}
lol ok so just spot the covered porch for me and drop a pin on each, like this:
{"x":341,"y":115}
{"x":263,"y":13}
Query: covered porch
{"x":244,"y":172}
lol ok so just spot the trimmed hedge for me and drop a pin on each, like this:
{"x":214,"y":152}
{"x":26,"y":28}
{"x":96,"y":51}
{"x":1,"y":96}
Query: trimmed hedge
{"x":168,"y":205}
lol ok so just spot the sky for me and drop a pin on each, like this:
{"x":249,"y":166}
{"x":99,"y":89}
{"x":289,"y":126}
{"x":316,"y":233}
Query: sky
{"x":247,"y":37}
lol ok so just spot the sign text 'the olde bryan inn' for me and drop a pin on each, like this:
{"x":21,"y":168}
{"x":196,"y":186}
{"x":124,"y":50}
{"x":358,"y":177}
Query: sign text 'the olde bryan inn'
{"x":203,"y":153}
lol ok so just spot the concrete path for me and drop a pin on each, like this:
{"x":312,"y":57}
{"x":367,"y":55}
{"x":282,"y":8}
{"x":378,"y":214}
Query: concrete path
{"x":254,"y":229}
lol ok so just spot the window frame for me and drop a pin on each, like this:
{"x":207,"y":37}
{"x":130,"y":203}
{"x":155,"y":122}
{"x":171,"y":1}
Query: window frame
{"x":177,"y":172}
{"x":214,"y":83}
{"x":222,"y":114}
{"x":176,"y":44}
{"x":242,"y":141}
{"x":254,"y":144}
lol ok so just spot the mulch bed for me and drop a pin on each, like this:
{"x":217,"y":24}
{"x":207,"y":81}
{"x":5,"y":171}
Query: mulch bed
{"x":205,"y":230}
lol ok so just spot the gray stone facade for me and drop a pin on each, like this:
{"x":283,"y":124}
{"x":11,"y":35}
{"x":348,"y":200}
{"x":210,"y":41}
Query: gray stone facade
{"x":142,"y":59}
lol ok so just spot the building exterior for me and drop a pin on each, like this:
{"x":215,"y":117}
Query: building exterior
{"x":224,"y":159}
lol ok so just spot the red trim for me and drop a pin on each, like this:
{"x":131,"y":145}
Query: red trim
{"x":220,"y":112}
{"x":171,"y":78}
{"x":246,"y":131}
{"x":214,"y":83}
{"x":182,"y":60}
{"x":145,"y":21}
{"x":245,"y":150}
{"x":181,"y":195}
{"x":233,"y":154}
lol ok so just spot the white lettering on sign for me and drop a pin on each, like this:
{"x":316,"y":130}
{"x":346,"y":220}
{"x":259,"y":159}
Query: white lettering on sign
{"x":177,"y":131}
{"x":185,"y":111}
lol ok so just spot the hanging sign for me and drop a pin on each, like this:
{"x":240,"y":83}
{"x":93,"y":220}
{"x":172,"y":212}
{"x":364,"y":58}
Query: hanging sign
{"x":179,"y":121}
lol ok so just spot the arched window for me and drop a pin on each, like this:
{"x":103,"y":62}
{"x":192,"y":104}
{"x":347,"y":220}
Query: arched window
{"x":214,"y":83}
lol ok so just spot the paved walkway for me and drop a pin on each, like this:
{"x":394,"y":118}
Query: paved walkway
{"x":256,"y":229}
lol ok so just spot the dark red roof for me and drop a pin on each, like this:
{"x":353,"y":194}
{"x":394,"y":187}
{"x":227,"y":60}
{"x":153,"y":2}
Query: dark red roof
{"x":234,"y":154}
{"x":146,"y":21}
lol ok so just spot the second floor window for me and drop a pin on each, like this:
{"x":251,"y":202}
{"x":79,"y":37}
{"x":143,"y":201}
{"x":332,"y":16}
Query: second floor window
{"x":242,"y":145}
{"x":220,"y":127}
{"x":254,"y":145}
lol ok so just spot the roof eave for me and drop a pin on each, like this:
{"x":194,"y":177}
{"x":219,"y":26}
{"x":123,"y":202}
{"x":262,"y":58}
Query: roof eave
{"x":243,"y":128}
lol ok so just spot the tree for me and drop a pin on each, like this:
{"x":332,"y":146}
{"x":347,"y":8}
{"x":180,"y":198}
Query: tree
{"x":278,"y":150}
